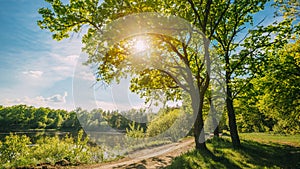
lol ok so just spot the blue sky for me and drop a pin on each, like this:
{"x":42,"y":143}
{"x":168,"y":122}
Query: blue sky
{"x":35,"y":69}
{"x":39,"y":71}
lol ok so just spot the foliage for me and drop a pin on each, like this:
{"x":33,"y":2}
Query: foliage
{"x":22,"y":117}
{"x":270,"y":100}
{"x":249,"y":117}
{"x":288,"y":8}
{"x":162,"y":123}
{"x":171,"y":123}
{"x":279,"y":86}
{"x":52,"y":149}
{"x":67,"y":18}
{"x":17,"y":151}
{"x":135,"y":136}
{"x":135,"y":131}
{"x":114,"y":64}
{"x":105,"y":121}
{"x":228,"y":25}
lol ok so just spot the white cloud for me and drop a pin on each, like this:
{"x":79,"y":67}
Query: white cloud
{"x":70,"y":60}
{"x":84,"y":72}
{"x":55,"y":101}
{"x":33,"y":73}
{"x":61,"y":67}
{"x":85,"y":75}
{"x":57,"y":98}
{"x":46,"y":71}
{"x":118,"y":106}
{"x":48,"y":67}
{"x":38,"y":70}
{"x":106,"y":105}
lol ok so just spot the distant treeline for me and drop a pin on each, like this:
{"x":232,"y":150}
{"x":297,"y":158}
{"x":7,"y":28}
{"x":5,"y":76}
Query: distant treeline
{"x":23,"y":117}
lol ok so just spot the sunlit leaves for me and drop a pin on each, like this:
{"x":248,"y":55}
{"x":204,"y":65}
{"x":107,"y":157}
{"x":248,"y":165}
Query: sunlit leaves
{"x":288,"y":8}
{"x":64,"y":19}
{"x":275,"y":91}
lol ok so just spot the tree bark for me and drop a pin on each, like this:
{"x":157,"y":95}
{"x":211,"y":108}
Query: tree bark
{"x":231,"y":117}
{"x":214,"y":120}
{"x":216,"y":131}
{"x":199,"y":134}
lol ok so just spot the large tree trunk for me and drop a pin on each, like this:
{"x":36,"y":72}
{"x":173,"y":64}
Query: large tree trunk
{"x":199,"y":135}
{"x":216,"y":131}
{"x":197,"y":102}
{"x":214,"y":118}
{"x":231,"y":117}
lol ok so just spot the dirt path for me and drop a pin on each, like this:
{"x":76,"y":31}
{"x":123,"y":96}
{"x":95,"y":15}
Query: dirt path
{"x":157,"y":157}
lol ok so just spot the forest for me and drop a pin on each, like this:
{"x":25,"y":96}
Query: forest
{"x":262,"y":112}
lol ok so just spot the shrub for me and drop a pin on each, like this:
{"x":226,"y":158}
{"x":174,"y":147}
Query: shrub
{"x":135,"y":131}
{"x":168,"y":126}
{"x":15,"y":151}
{"x":52,"y":150}
{"x":135,"y":135}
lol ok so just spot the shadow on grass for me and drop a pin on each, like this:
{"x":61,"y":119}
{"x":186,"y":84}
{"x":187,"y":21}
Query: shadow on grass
{"x":271,"y":155}
{"x":251,"y":155}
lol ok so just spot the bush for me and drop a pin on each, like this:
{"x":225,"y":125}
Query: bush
{"x":135,"y":131}
{"x":168,"y":126}
{"x":17,"y":152}
{"x":52,"y":150}
{"x":135,"y":135}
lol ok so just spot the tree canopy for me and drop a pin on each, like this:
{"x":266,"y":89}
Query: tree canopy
{"x":226,"y":28}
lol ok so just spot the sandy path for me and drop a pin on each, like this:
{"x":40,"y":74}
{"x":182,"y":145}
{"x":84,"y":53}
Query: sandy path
{"x":157,"y":157}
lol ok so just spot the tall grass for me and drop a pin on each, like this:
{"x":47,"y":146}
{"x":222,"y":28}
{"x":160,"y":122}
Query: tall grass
{"x":17,"y":151}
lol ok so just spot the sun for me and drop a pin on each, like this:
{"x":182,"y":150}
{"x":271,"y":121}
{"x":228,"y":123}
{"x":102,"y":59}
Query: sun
{"x":140,"y":45}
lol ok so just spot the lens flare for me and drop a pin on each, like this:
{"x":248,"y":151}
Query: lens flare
{"x":140,"y":45}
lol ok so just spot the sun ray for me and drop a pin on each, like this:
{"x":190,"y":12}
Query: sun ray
{"x":140,"y":45}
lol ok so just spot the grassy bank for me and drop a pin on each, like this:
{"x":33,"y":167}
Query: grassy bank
{"x":292,"y":140}
{"x":259,"y":150}
{"x":18,"y":151}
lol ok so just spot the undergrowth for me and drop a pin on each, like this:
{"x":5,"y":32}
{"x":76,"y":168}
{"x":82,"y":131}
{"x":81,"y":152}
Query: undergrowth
{"x":18,"y":151}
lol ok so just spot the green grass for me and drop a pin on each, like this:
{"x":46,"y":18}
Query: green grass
{"x":292,"y":140}
{"x":259,"y":150}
